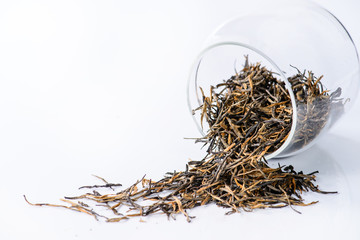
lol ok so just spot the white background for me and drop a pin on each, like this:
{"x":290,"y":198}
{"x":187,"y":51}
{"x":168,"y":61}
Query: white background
{"x":99,"y":87}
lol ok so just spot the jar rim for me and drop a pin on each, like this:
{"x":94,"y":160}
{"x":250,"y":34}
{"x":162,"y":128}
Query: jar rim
{"x":195,"y":68}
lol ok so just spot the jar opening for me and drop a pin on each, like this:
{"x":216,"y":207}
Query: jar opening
{"x":221,"y":61}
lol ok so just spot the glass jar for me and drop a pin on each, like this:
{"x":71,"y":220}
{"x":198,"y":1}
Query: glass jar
{"x":285,"y":37}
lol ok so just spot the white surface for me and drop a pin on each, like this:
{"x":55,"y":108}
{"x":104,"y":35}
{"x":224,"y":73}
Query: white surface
{"x":98,"y":87}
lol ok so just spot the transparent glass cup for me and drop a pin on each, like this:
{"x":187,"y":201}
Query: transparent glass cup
{"x":282,"y":36}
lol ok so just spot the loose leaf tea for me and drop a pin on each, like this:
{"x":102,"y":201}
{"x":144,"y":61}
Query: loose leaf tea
{"x":314,"y":105}
{"x":248,"y":116}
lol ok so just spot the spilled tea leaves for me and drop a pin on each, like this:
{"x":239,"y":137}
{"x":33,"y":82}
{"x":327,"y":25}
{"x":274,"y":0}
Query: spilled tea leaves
{"x":249,"y":116}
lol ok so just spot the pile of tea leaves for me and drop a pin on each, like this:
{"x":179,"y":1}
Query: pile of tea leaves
{"x":248,"y":116}
{"x":314,"y":105}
